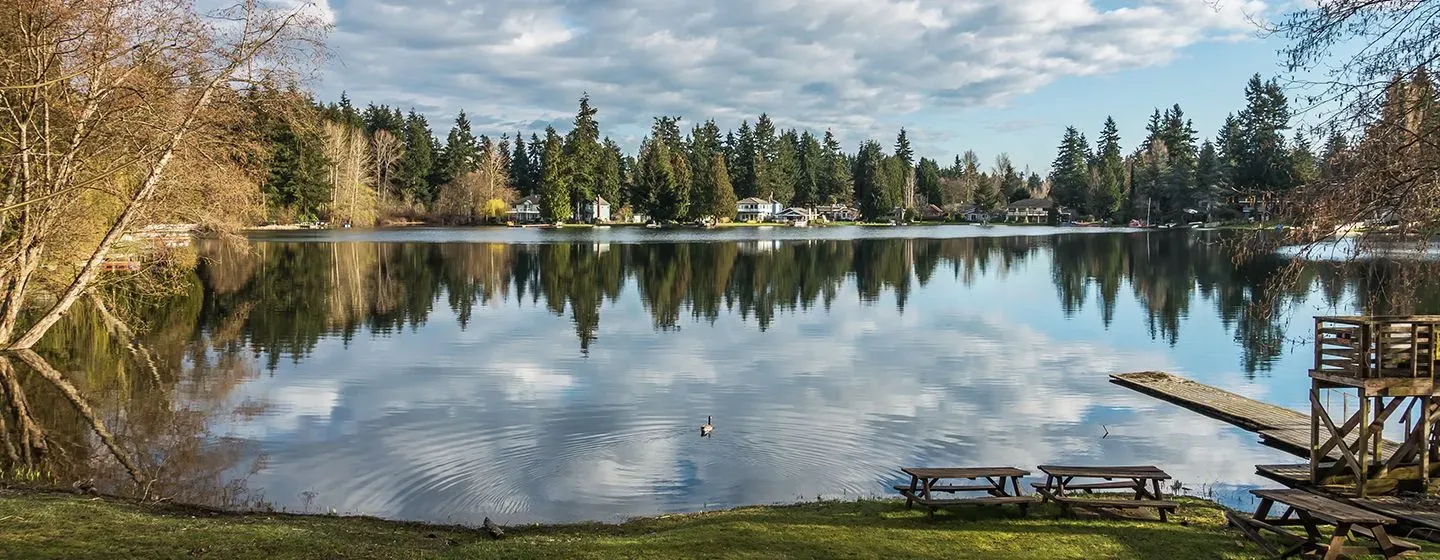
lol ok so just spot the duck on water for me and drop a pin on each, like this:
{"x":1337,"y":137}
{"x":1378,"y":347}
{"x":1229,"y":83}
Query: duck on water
{"x":706,"y":428}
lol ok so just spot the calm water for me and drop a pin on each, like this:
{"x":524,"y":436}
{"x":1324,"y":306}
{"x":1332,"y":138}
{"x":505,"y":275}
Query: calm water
{"x":531,"y":375}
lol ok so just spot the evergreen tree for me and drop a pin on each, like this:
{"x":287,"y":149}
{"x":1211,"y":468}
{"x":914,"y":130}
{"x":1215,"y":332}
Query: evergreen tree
{"x":521,"y":176}
{"x":1264,"y":164}
{"x":873,"y":192}
{"x":1035,"y":185}
{"x":1304,"y":169}
{"x":612,"y":174}
{"x":1209,"y":178}
{"x":536,"y":150}
{"x":554,"y":187}
{"x":1177,"y":193}
{"x":382,"y":118}
{"x":780,"y":175}
{"x":296,"y":180}
{"x":1230,"y":147}
{"x":460,"y":155}
{"x":1108,"y":193}
{"x":747,"y":164}
{"x":583,"y":156}
{"x":927,"y":181}
{"x":1012,"y":184}
{"x":1069,"y":175}
{"x":835,"y":184}
{"x":664,"y":177}
{"x":810,"y":168}
{"x":723,"y":202}
{"x":766,"y":150}
{"x":907,"y":159}
{"x":413,"y":173}
{"x":1332,"y":158}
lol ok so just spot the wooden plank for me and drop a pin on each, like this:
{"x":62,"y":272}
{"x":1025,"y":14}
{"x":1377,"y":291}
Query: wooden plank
{"x":1297,"y":440}
{"x":1217,"y":403}
{"x":982,"y":501}
{"x":1101,"y":502}
{"x":1322,"y":507}
{"x":950,"y":488}
{"x":1146,"y":471}
{"x":963,"y":472}
{"x":1096,"y":486}
{"x":1409,"y":512}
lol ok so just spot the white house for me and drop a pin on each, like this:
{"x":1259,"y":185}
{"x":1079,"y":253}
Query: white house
{"x":838,"y":212}
{"x":595,"y":211}
{"x":795,"y":215}
{"x":527,"y":211}
{"x":756,"y":209}
{"x":1032,"y":211}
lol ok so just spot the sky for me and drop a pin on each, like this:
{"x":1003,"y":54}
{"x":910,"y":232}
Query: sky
{"x":989,"y":75}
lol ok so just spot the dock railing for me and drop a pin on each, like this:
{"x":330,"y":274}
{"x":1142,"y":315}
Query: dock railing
{"x":1375,"y":347}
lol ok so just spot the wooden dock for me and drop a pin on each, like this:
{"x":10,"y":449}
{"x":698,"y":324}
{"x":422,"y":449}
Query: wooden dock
{"x":1241,"y":411}
{"x":1279,"y":427}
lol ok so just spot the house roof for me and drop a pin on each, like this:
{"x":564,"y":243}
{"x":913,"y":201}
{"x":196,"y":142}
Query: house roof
{"x":532,"y":199}
{"x":753,"y":200}
{"x":1032,"y":203}
{"x":600,"y":201}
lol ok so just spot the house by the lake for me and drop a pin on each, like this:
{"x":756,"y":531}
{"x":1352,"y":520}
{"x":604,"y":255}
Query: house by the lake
{"x":527,"y":211}
{"x":756,"y":209}
{"x":595,"y":211}
{"x":1031,"y":211}
{"x":838,"y":212}
{"x":795,"y":215}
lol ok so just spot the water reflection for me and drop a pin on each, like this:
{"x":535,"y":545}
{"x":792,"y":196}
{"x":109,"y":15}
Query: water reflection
{"x":564,"y":380}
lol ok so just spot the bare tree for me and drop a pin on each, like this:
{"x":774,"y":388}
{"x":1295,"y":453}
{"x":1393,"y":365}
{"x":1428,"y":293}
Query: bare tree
{"x":101,"y":102}
{"x":387,"y":150}
{"x":352,"y":200}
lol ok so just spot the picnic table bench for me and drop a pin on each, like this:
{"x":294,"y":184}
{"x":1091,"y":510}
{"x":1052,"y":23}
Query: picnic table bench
{"x":1001,"y":483}
{"x":1309,"y":511}
{"x":1143,"y":480}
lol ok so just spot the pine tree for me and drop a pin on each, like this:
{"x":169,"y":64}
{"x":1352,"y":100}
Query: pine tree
{"x":747,"y":165}
{"x":927,"y":181}
{"x":1177,"y":193}
{"x":810,"y":167}
{"x":1035,"y":185}
{"x":1108,"y":192}
{"x":766,"y":150}
{"x":612,"y":174}
{"x":413,"y":174}
{"x":835,"y":183}
{"x":907,"y":159}
{"x":1264,"y":164}
{"x":1230,"y":147}
{"x":583,"y":156}
{"x":1209,"y":178}
{"x":723,"y":201}
{"x":1069,"y":175}
{"x":520,"y":172}
{"x":460,"y":155}
{"x":1304,"y":169}
{"x":296,"y":180}
{"x":664,"y":177}
{"x":780,"y":175}
{"x":1332,"y":159}
{"x":554,"y":187}
{"x":872,"y":191}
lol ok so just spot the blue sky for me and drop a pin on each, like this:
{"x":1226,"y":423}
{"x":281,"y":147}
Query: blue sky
{"x":989,"y":75}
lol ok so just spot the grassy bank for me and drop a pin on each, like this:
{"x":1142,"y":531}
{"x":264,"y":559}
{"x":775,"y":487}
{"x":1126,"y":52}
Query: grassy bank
{"x":66,"y":526}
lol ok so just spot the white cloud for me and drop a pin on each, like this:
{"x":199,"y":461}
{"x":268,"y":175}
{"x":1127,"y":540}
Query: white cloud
{"x":847,"y":64}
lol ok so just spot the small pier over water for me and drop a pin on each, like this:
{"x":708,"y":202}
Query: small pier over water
{"x":1386,"y":366}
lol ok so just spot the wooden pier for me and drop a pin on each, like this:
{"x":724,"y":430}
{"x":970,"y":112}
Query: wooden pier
{"x":1279,"y":427}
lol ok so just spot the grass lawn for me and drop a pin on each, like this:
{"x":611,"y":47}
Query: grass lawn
{"x":39,"y":525}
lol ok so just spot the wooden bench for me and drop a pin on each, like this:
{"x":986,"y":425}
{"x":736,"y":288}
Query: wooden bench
{"x":1143,"y":480}
{"x":1003,"y":487}
{"x":1310,"y":511}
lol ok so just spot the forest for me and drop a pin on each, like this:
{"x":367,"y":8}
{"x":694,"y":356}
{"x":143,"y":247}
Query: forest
{"x":340,"y":163}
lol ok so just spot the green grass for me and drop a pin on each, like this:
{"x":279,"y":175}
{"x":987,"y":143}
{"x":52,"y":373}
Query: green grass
{"x":38,"y":525}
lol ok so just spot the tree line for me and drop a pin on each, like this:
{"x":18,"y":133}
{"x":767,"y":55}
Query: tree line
{"x":1172,"y":176}
{"x":339,"y":162}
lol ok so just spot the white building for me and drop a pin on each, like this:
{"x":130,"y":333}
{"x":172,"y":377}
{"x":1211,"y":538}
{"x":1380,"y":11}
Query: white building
{"x":755,"y":209}
{"x":595,"y":211}
{"x":527,"y":211}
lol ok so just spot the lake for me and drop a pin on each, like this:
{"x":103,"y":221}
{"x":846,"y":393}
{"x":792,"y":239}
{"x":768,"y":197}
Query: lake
{"x":535,"y":375}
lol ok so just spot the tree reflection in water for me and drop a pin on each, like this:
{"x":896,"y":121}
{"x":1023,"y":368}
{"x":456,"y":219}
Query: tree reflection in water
{"x":135,"y":394}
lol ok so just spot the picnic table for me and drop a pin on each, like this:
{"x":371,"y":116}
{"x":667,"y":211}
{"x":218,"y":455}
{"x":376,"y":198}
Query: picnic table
{"x":1059,"y":487}
{"x":1310,"y":511}
{"x":1001,"y":483}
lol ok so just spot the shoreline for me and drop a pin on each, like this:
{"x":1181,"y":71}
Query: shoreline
{"x":64,"y":525}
